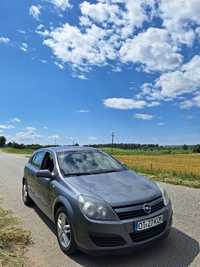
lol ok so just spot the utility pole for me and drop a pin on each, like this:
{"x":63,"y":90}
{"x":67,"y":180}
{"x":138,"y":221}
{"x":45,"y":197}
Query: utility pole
{"x":113,"y":138}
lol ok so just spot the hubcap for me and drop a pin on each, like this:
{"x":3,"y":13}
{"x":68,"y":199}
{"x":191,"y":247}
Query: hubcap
{"x":25,"y":192}
{"x":64,"y":231}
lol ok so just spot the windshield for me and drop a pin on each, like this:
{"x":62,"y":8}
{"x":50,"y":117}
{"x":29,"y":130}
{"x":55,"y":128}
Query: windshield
{"x":87,"y":162}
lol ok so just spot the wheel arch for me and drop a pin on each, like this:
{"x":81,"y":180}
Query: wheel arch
{"x":62,"y":202}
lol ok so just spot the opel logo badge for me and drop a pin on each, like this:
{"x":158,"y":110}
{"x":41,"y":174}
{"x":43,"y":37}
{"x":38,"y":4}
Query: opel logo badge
{"x":147,"y":208}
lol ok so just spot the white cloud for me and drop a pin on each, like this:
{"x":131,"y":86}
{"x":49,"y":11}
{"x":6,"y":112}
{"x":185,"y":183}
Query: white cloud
{"x":70,"y":45}
{"x":59,"y":65}
{"x":143,"y":116}
{"x":15,"y":119}
{"x":34,"y":11}
{"x":41,"y":30}
{"x":102,"y":30}
{"x":180,"y":17}
{"x":1,"y":131}
{"x":80,"y":76}
{"x":124,"y":103}
{"x":83,"y":111}
{"x":125,"y":16}
{"x":153,"y":49}
{"x":30,"y":128}
{"x":9,"y":126}
{"x":193,"y":102}
{"x":4,"y":40}
{"x":43,"y":61}
{"x":179,"y":82}
{"x":61,"y":4}
{"x":160,"y":123}
{"x":24,"y":47}
{"x":21,"y":31}
{"x":28,"y":135}
{"x":100,"y":12}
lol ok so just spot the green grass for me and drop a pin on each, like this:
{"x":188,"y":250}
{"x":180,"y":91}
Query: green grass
{"x":13,"y":240}
{"x":24,"y":151}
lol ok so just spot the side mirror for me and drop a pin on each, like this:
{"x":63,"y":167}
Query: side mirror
{"x":44,"y":173}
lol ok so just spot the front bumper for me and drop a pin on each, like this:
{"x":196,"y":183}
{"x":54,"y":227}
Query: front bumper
{"x":118,"y":236}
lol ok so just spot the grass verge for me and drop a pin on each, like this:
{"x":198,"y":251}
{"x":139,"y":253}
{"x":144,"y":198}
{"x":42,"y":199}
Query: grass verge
{"x":13,"y":240}
{"x":170,"y":178}
{"x":24,"y":151}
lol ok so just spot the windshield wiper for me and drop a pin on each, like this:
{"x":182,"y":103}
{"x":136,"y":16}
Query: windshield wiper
{"x":79,"y":173}
{"x":114,"y":170}
{"x":91,"y":173}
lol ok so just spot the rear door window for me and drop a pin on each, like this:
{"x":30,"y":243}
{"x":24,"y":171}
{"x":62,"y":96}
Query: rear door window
{"x":38,"y":159}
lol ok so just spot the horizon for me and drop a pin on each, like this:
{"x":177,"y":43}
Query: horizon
{"x":76,"y":71}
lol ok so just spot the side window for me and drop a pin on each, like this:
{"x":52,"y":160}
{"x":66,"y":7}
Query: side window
{"x":48,"y":163}
{"x":37,"y":159}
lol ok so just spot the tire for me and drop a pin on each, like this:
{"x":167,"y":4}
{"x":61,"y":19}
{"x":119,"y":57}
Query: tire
{"x":25,"y":195}
{"x":65,"y":238}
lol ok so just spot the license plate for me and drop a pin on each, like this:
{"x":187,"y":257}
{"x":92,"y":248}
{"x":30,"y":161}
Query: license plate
{"x":148,"y":223}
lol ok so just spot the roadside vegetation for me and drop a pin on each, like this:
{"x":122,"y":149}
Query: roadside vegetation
{"x":25,"y":151}
{"x":13,"y":240}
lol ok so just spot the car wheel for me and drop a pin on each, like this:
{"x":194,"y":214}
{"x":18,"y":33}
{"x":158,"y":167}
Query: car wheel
{"x":65,"y":234}
{"x":25,"y":196}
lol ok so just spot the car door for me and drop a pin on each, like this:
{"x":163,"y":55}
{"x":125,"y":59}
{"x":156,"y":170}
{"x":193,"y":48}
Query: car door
{"x":34,"y":166}
{"x":44,"y":184}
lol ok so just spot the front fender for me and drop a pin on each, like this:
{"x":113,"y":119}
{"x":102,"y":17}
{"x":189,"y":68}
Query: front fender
{"x":61,"y":200}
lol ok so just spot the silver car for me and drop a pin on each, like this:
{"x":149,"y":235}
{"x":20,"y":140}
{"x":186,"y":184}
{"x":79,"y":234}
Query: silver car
{"x":96,"y":203}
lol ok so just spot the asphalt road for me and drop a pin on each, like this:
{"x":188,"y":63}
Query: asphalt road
{"x":180,"y":249}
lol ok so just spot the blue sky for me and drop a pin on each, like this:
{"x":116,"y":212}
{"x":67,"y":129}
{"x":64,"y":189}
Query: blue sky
{"x":74,"y":71}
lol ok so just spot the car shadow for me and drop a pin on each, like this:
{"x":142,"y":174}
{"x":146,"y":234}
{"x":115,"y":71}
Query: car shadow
{"x":178,"y":250}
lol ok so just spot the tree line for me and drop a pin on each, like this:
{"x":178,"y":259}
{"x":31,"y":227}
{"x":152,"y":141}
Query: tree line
{"x":132,"y":146}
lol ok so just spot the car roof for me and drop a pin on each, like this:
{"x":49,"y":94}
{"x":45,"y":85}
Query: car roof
{"x":57,"y":149}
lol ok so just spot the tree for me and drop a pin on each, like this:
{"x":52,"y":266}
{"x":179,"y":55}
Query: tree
{"x":196,"y":149}
{"x":185,"y":147}
{"x":2,"y":141}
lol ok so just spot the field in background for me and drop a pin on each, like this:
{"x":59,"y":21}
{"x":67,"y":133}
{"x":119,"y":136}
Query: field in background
{"x":177,"y":169}
{"x":175,"y":166}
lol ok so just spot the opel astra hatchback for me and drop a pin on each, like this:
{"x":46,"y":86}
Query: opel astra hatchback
{"x":95,"y":202}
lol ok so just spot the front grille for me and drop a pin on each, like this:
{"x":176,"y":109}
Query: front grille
{"x":130,"y":212}
{"x":107,"y":240}
{"x":149,"y":233}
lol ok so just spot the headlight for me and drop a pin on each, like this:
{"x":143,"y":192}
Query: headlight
{"x":96,"y":209}
{"x":165,"y":195}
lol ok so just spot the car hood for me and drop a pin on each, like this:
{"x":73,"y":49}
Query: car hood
{"x":117,"y":188}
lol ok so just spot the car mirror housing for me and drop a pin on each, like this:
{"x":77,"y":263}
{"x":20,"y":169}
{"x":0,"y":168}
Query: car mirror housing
{"x":44,"y":173}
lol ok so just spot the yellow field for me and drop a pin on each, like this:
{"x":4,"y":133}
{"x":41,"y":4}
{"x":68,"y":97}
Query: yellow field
{"x":179,"y":169}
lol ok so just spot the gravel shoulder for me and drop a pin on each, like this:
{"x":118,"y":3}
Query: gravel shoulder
{"x":179,"y":250}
